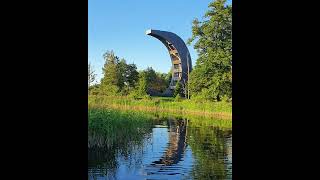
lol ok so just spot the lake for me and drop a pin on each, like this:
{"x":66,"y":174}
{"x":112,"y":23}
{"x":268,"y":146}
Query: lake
{"x":164,"y":148}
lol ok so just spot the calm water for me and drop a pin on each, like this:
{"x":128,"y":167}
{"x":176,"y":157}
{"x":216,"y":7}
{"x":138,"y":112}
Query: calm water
{"x":167,"y":149}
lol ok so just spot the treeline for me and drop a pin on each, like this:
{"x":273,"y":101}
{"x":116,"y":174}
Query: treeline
{"x":211,"y":78}
{"x":121,"y":78}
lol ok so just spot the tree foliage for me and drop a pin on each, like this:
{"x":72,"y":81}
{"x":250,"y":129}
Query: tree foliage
{"x":119,"y":77}
{"x":168,"y":77}
{"x":142,"y":88}
{"x":151,"y":82}
{"x":212,"y":76}
{"x":110,"y":80}
{"x":178,"y":91}
{"x":128,"y":76}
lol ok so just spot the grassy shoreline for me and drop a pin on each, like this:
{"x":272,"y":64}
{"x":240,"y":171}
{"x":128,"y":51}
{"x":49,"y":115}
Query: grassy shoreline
{"x":221,"y":110}
{"x":107,"y":119}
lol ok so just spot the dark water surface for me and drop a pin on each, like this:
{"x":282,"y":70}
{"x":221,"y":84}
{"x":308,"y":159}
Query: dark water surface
{"x":166,"y":149}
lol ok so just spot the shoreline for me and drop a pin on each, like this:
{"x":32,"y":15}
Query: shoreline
{"x":156,"y":110}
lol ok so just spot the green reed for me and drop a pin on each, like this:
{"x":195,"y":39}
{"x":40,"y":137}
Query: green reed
{"x":107,"y":126}
{"x":163,"y":105}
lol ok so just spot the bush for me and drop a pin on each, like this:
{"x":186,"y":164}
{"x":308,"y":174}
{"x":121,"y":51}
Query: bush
{"x":226,"y":99}
{"x":178,"y":98}
{"x":148,"y":97}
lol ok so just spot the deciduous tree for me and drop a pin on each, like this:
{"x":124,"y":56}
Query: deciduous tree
{"x":212,"y":77}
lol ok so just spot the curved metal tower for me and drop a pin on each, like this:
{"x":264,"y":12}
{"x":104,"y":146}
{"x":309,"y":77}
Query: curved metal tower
{"x":179,"y":53}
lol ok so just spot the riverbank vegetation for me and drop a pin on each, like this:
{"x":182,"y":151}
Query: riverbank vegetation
{"x":110,"y":127}
{"x":113,"y":132}
{"x":209,"y":90}
{"x":111,"y":121}
{"x":164,"y":105}
{"x":114,"y":124}
{"x":211,"y":78}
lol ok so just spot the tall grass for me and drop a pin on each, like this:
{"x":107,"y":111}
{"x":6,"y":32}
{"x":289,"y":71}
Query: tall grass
{"x":112,"y":132}
{"x":223,"y":110}
{"x":106,"y":126}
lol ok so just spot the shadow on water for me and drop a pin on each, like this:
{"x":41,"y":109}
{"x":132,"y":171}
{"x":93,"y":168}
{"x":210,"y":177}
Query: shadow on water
{"x":162,"y":148}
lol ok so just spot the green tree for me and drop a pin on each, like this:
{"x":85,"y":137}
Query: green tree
{"x":142,"y":88}
{"x":110,"y":80}
{"x":121,"y":70}
{"x":94,"y":89}
{"x":151,"y":82}
{"x":119,"y":77}
{"x":150,"y":74}
{"x":159,"y":84}
{"x":128,"y":76}
{"x":168,"y":77}
{"x":131,"y":76}
{"x":178,"y":89}
{"x":156,"y":81}
{"x":212,"y":77}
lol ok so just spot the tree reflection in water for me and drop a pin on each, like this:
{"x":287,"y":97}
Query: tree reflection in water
{"x":211,"y":149}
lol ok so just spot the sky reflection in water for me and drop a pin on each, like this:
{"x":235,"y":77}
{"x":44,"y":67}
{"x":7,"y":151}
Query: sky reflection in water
{"x":167,"y":149}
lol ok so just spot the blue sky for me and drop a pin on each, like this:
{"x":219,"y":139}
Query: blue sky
{"x":120,"y":25}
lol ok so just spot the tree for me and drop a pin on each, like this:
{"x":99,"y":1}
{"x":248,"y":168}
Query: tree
{"x":168,"y":77}
{"x":91,"y":76}
{"x":121,"y":70}
{"x":150,"y":74}
{"x":94,"y":89}
{"x":151,"y":82}
{"x":132,"y":75}
{"x":128,"y":76}
{"x":159,"y":83}
{"x":119,"y":77}
{"x":156,"y":81}
{"x":212,"y":77}
{"x":110,"y":80}
{"x":142,"y":88}
{"x":178,"y":89}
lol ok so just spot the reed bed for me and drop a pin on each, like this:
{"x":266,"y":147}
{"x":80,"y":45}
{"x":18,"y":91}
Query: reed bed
{"x":107,"y":126}
{"x":220,"y":110}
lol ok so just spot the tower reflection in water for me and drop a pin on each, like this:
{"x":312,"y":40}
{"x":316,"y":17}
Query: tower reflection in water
{"x":210,"y":150}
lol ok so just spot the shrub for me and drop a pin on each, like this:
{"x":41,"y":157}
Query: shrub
{"x":178,"y":98}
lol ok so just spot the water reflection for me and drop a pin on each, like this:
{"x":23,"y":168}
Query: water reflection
{"x":168,"y":148}
{"x":177,"y":143}
{"x":211,"y":147}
